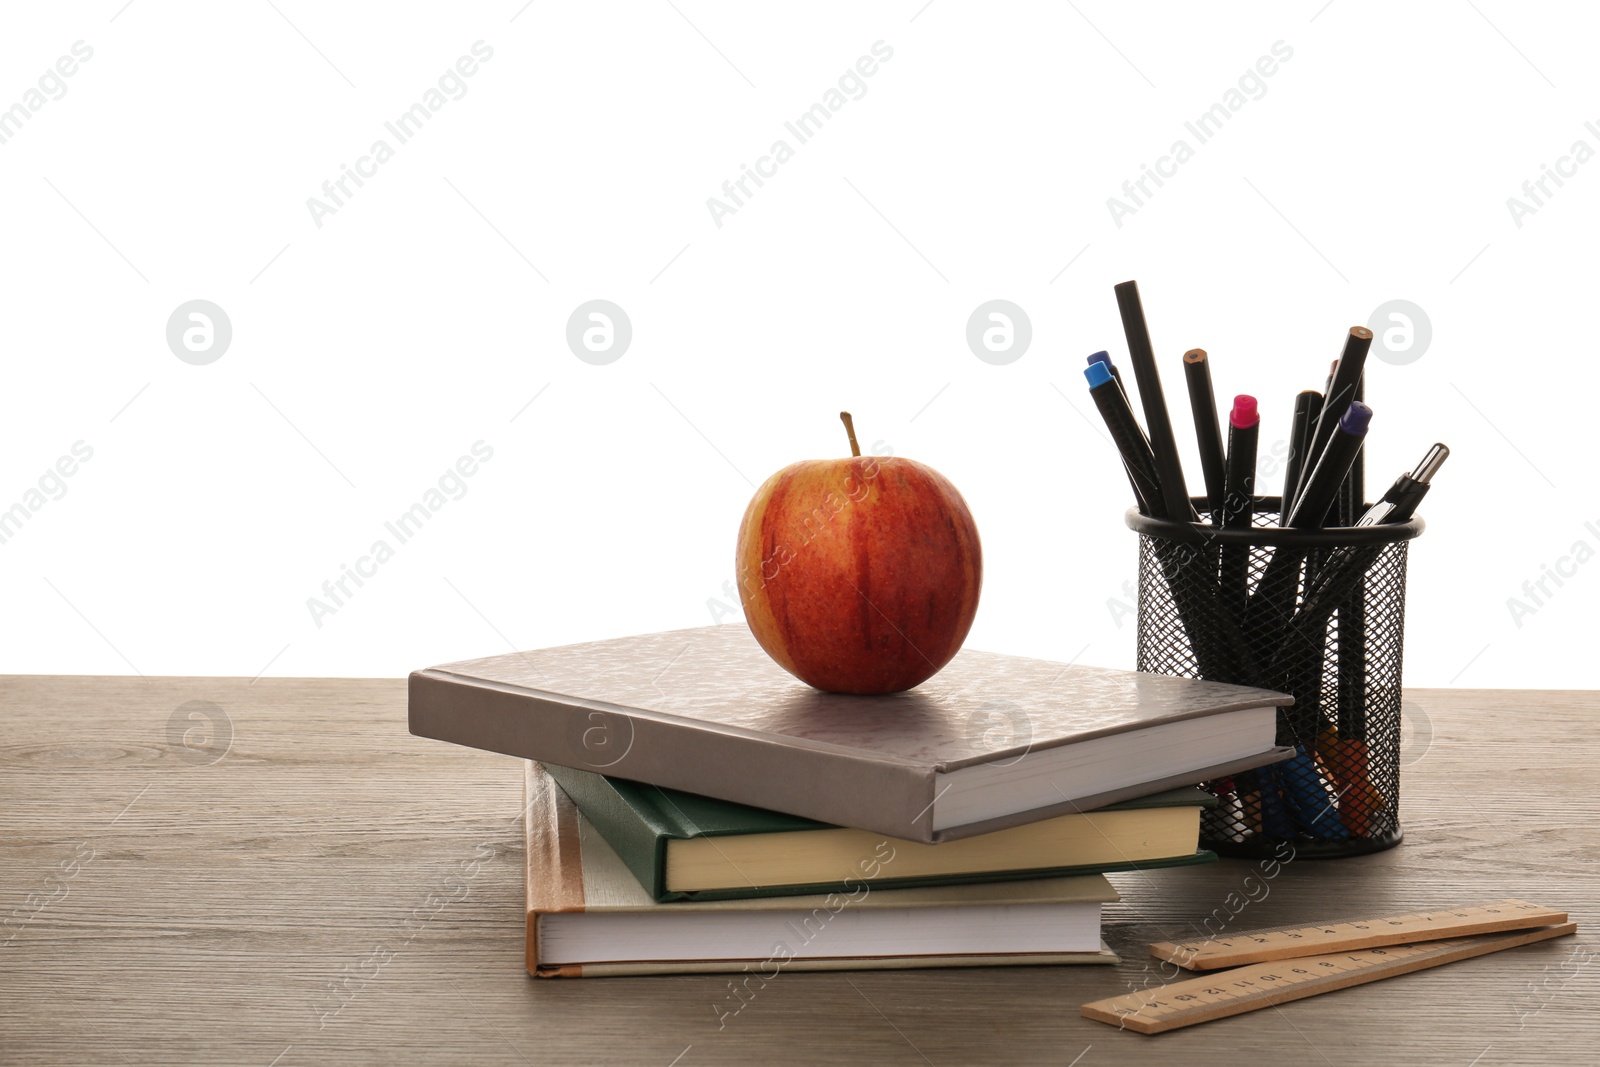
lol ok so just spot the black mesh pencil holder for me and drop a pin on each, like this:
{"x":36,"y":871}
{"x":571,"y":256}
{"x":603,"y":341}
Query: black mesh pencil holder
{"x":1318,"y":614}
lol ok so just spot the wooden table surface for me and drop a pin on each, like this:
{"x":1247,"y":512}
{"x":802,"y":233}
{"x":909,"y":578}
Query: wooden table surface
{"x":216,"y":871}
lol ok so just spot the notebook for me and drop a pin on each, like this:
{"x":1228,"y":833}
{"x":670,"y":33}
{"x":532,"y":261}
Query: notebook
{"x":686,"y":847}
{"x":588,"y":918}
{"x":990,"y":742}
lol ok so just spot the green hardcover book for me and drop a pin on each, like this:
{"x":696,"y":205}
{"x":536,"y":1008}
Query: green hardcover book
{"x":682,"y":846}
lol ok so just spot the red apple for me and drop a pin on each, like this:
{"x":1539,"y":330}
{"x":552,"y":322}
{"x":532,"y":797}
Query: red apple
{"x":859,"y":574}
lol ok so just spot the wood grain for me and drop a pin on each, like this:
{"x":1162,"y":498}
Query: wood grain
{"x":330,"y":889}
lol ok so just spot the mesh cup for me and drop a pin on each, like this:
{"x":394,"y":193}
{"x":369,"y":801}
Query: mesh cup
{"x":1318,"y":614}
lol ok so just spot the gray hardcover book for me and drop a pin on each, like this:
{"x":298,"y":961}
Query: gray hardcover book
{"x":989,"y":742}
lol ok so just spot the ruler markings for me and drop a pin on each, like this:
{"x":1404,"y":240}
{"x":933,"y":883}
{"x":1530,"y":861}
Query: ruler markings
{"x":1266,"y":983}
{"x":1285,"y":942}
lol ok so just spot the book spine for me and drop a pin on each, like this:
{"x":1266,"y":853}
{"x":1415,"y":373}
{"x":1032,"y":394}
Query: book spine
{"x":640,"y":845}
{"x":817,"y":781}
{"x":554,"y":856}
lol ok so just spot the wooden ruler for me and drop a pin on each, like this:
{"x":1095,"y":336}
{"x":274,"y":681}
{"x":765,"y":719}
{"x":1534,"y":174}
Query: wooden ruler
{"x":1288,"y":942}
{"x":1261,"y":985}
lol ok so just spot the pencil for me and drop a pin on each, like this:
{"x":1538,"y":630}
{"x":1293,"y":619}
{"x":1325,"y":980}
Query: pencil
{"x":1174,"y":492}
{"x":1203,"y":404}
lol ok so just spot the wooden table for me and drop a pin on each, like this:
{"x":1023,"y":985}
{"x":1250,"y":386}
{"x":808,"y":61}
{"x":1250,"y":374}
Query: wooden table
{"x":216,"y":871}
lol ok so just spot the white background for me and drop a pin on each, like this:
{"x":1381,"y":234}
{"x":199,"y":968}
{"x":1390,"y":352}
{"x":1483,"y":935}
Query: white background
{"x":371,"y":352}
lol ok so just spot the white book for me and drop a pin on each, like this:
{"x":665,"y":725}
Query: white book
{"x":587,"y":916}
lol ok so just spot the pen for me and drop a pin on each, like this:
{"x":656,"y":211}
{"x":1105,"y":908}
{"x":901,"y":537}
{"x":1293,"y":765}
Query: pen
{"x":1244,"y":430}
{"x":1353,"y":490}
{"x":1322,"y":484}
{"x":1271,"y":608}
{"x":1311,"y":800}
{"x":1327,"y":391}
{"x":1174,"y":492}
{"x":1176,"y":560}
{"x":1306,"y":406}
{"x":1347,"y":565}
{"x":1347,"y":766}
{"x":1341,"y":392}
{"x":1400,"y":500}
{"x":1362,"y":802}
{"x":1105,"y":357}
{"x":1347,"y":759}
{"x":1203,"y":404}
{"x":1351,"y":770}
{"x":1318,"y":489}
{"x":1275,"y":820}
{"x":1127,"y":436}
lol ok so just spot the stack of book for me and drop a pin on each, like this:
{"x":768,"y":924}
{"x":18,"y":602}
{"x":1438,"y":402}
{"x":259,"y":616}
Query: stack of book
{"x":691,"y":807}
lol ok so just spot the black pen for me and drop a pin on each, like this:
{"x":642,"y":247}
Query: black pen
{"x":1244,"y":431}
{"x":1129,"y":439}
{"x":1105,"y":357}
{"x":1272,"y":605}
{"x":1352,"y":645}
{"x":1177,"y":560}
{"x":1349,"y":565}
{"x":1327,"y":391}
{"x":1322,"y":484}
{"x":1352,"y":491}
{"x":1399,"y":502}
{"x":1306,"y":406}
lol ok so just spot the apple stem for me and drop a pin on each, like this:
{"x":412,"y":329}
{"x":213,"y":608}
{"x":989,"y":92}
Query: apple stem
{"x":850,"y":428}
